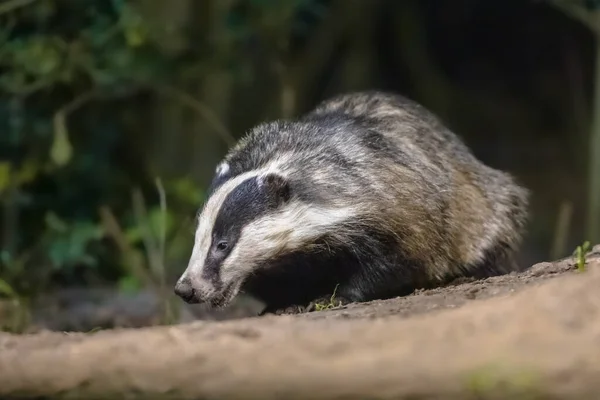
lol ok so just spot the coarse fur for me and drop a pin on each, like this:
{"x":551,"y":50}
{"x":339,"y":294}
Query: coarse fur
{"x":369,"y":192}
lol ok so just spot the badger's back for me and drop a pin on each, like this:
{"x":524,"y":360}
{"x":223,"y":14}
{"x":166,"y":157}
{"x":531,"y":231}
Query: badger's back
{"x":482,"y":210}
{"x":415,"y":187}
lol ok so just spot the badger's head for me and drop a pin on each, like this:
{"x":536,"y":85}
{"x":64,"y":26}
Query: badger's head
{"x":246,"y":222}
{"x":234,"y":234}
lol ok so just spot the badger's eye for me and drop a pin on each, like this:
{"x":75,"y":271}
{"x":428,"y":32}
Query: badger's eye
{"x":221,"y":246}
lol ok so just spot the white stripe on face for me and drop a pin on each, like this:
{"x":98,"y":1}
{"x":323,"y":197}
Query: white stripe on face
{"x":208,"y":216}
{"x":287,"y":230}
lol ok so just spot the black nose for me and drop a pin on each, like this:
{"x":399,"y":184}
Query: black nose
{"x":184,"y":289}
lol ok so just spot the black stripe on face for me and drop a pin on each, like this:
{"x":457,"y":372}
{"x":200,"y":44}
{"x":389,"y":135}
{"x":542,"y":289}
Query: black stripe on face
{"x":247,"y":202}
{"x":220,"y":179}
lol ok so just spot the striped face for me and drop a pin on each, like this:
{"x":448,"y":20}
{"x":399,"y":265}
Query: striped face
{"x":248,"y":220}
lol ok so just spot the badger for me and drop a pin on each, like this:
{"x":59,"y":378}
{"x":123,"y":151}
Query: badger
{"x":369,"y":195}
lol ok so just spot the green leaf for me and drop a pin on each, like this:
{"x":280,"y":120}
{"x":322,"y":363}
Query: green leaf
{"x":13,"y":80}
{"x":133,"y":234}
{"x":134,"y":29}
{"x":61,"y":151}
{"x":135,"y":36}
{"x":128,"y":284}
{"x":5,"y":169}
{"x":54,"y":222}
{"x":6,"y":289}
{"x":28,"y":171}
{"x":186,"y":190}
{"x":69,"y":243}
{"x":40,"y":56}
{"x":5,"y":256}
{"x":156,"y":221}
{"x":59,"y":253}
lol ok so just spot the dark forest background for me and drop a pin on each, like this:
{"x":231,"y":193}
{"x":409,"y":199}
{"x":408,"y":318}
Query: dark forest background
{"x":114,"y":113}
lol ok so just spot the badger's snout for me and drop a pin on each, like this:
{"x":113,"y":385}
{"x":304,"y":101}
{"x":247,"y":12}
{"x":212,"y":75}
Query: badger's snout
{"x":184,"y":289}
{"x":200,"y":291}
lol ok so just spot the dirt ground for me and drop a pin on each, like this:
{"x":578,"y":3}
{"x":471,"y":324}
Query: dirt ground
{"x":85,"y":309}
{"x":533,"y":335}
{"x":454,"y":295}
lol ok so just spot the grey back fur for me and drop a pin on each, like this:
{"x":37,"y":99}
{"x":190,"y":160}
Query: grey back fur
{"x":407,"y":173}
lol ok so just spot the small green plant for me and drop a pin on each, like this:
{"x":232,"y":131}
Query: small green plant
{"x":153,"y":229}
{"x":14,"y":313}
{"x":580,"y":253}
{"x":331,"y":304}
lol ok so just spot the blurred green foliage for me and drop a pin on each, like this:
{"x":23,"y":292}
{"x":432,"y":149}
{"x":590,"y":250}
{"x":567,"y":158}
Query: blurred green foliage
{"x":52,"y":52}
{"x":63,"y":160}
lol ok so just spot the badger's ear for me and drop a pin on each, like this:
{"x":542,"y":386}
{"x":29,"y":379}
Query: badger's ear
{"x":277,"y":186}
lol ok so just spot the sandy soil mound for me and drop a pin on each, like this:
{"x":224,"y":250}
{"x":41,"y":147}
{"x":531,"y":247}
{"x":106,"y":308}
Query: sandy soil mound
{"x":530,"y":335}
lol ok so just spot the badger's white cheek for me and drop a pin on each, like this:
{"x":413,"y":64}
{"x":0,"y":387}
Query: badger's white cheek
{"x":244,"y":259}
{"x":235,"y":267}
{"x":259,"y":241}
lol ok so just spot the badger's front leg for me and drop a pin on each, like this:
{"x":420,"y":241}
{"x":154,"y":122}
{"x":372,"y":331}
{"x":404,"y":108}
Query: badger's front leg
{"x":385,"y":279}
